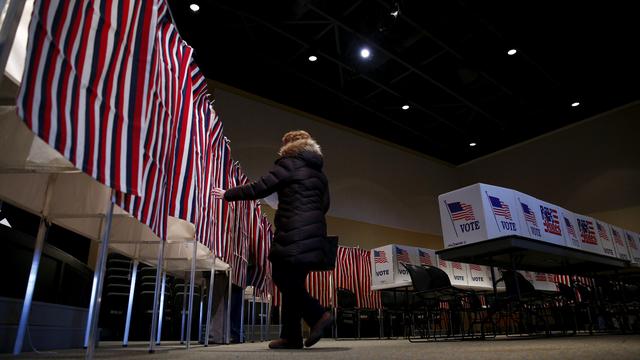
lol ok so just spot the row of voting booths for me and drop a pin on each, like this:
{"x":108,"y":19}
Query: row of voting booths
{"x":482,"y":212}
{"x":389,"y":273}
{"x":36,"y":178}
{"x":39,"y":180}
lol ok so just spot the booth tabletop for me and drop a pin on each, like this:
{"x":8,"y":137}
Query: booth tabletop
{"x":532,"y":255}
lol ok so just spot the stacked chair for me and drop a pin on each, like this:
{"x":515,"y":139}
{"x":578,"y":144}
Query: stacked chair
{"x":180,"y":302}
{"x":115,"y":296}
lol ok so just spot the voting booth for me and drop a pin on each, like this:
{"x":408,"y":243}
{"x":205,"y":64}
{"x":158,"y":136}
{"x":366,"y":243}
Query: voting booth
{"x":587,"y":233}
{"x":619,"y":242}
{"x":633,"y":244}
{"x":387,"y":270}
{"x":570,"y":229}
{"x":603,"y":236}
{"x":476,"y":213}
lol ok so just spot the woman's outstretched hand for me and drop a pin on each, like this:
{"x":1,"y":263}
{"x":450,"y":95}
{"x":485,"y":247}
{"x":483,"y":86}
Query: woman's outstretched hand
{"x":218,"y":193}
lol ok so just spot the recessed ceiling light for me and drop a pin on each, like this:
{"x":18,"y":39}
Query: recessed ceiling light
{"x":575,"y":104}
{"x":313,"y":58}
{"x":194,"y":7}
{"x":365,"y":53}
{"x":405,"y":107}
{"x":472,"y":144}
{"x":512,"y":52}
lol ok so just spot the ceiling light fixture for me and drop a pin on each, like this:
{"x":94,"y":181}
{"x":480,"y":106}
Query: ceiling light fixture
{"x":405,"y":107}
{"x":472,"y":144}
{"x":575,"y":104}
{"x":396,"y":10}
{"x":365,"y":53}
{"x":512,"y":52}
{"x":313,"y":58}
{"x":194,"y":7}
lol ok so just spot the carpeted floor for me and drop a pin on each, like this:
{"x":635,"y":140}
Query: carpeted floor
{"x":584,"y":347}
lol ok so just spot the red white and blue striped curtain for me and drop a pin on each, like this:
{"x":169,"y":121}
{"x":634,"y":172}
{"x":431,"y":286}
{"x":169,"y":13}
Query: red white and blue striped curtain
{"x":167,"y":139}
{"x":86,"y":88}
{"x":318,"y":285}
{"x":346,"y":272}
{"x":368,"y":298}
{"x":113,"y":87}
{"x":259,"y":247}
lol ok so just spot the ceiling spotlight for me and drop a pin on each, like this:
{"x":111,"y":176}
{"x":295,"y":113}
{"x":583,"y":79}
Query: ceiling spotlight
{"x":405,"y":107}
{"x":512,"y":52}
{"x":395,"y":11}
{"x":365,"y":53}
{"x":313,"y":58}
{"x":194,"y":7}
{"x":472,"y":144}
{"x":575,"y":104}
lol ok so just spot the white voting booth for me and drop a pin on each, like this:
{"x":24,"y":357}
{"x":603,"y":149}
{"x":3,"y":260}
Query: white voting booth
{"x":620,"y":242}
{"x":570,"y":229}
{"x":476,"y":213}
{"x":633,"y":243}
{"x":603,"y":235}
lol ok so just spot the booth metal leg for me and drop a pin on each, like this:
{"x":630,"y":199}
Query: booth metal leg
{"x":184,"y":308}
{"x":191,"y":289}
{"x":200,"y":315}
{"x":280,"y":317}
{"x":253,"y":315}
{"x":161,"y":314}
{"x":268,"y":325}
{"x":227,"y":335}
{"x":210,"y":302}
{"x":262,"y":320}
{"x":43,"y":229}
{"x":156,"y":295}
{"x":243,"y":338}
{"x":380,"y":323}
{"x":132,"y":289}
{"x":98,"y":281}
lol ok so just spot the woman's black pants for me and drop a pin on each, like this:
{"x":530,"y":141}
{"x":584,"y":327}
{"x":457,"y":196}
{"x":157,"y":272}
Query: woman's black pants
{"x":296,"y":302}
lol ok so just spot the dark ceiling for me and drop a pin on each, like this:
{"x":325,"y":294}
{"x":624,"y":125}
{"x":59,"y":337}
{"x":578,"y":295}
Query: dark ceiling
{"x":447,"y":59}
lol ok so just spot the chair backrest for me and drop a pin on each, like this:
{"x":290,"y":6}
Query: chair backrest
{"x":513,"y":280}
{"x":393,"y":299}
{"x":426,"y":278}
{"x":439,"y":278}
{"x":346,"y":299}
{"x":566,"y":292}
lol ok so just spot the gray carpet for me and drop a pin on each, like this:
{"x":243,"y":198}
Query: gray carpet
{"x":583,"y":347}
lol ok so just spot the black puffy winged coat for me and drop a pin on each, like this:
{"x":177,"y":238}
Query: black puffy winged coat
{"x":303,"y":201}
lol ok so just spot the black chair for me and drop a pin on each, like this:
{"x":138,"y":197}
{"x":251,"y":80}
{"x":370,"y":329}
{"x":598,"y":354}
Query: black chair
{"x":525,"y":307}
{"x":394,"y":312}
{"x":436,"y":303}
{"x":347,"y":315}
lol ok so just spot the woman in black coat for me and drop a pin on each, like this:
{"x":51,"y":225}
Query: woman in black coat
{"x":299,"y":244}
